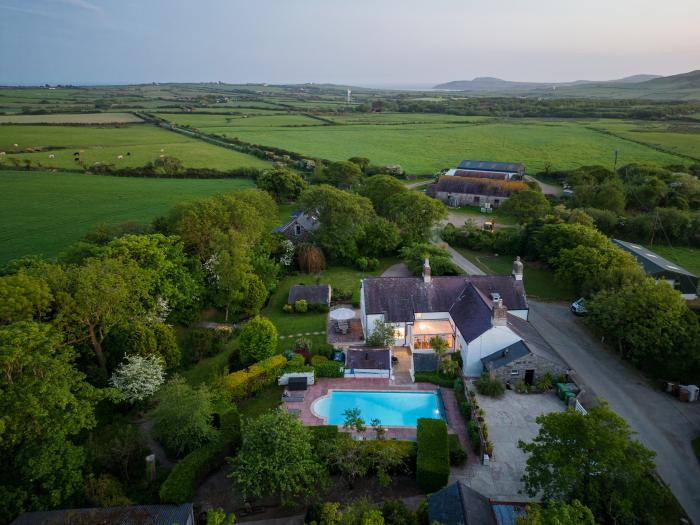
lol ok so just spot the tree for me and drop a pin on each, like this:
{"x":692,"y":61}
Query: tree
{"x":440,"y":260}
{"x":353,"y":420}
{"x":381,"y":237}
{"x":276,"y":458}
{"x":415,"y":214}
{"x":168,"y":165}
{"x":100,"y":296}
{"x":557,"y":513}
{"x":44,"y":406}
{"x":218,"y":517}
{"x":183,"y":419}
{"x":310,"y":258}
{"x":343,"y":218}
{"x":382,"y":335}
{"x":594,"y":459}
{"x":343,"y":174}
{"x":379,"y":188}
{"x":23,"y":297}
{"x":361,"y":162}
{"x":584,"y":266}
{"x":255,"y":296}
{"x":142,"y":339}
{"x":138,"y":378}
{"x":527,"y":205}
{"x":284,"y":185}
{"x":258,"y":340}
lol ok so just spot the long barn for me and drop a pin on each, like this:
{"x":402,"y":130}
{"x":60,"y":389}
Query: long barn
{"x":489,"y":170}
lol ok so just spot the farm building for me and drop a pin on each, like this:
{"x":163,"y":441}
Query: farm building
{"x":661,"y":269}
{"x":134,"y":515}
{"x":299,"y":228}
{"x":468,"y":191}
{"x":488,"y":170}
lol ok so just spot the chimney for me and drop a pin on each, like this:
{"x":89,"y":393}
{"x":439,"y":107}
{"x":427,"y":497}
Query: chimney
{"x":518,"y":269}
{"x":499,"y":314}
{"x":426,"y":271}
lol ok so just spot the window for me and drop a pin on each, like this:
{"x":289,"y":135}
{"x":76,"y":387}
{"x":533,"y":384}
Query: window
{"x":297,"y":229}
{"x":515,"y":372}
{"x":477,"y":199}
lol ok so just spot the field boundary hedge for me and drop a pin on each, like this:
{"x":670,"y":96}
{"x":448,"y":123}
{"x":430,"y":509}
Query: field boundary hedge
{"x":257,"y":376}
{"x":433,"y":458}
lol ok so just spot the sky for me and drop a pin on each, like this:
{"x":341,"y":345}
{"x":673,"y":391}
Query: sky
{"x":358,"y":42}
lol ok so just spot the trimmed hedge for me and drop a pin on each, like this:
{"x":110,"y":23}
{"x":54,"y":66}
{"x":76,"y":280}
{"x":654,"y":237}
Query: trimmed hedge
{"x":433,"y":458}
{"x":180,"y":485}
{"x":474,"y":438}
{"x":231,"y":428}
{"x":257,"y":376}
{"x":434,"y":378}
{"x":329,"y":369}
{"x":457,"y":454}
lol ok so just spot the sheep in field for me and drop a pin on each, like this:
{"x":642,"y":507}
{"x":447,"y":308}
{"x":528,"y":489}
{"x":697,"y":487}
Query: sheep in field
{"x":51,"y":155}
{"x":120,"y":157}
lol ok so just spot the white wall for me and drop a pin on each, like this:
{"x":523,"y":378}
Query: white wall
{"x":421,"y":316}
{"x":493,"y":340}
{"x":284,"y":379}
{"x":523,"y":314}
{"x":371,"y":319}
{"x":370,"y":373}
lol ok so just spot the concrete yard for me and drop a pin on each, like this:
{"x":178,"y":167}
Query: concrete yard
{"x":509,"y":419}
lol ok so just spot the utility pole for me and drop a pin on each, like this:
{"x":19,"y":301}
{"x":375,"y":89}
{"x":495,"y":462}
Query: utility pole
{"x":617,"y":152}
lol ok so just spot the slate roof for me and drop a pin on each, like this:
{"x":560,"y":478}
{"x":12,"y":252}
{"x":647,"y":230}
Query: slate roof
{"x":311,"y":293}
{"x":308,"y":222}
{"x":484,"y":165}
{"x":457,"y":504}
{"x":134,"y":515}
{"x":368,"y":358}
{"x":476,"y":186}
{"x":652,"y":262}
{"x":507,"y":355}
{"x":534,"y":341}
{"x":467,"y":299}
{"x":495,"y":175}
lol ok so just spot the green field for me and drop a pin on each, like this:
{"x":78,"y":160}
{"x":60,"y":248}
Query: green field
{"x":688,"y":258}
{"x":71,"y":118}
{"x":43,"y":213}
{"x":144,"y":143}
{"x":424,"y":147}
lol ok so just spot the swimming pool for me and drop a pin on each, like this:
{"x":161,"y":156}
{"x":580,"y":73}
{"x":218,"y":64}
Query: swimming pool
{"x":393,"y":409}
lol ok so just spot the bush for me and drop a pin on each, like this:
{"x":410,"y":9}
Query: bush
{"x":458,"y":456}
{"x":341,"y":294}
{"x":522,"y":388}
{"x":318,"y":307}
{"x":295,"y":363}
{"x":546,"y":382}
{"x":243,"y":383}
{"x":396,"y":512}
{"x":489,"y":385}
{"x":433,"y":459}
{"x":231,"y":428}
{"x":301,"y":306}
{"x":180,"y":485}
{"x":329,"y":369}
{"x":288,"y":308}
{"x":303,"y":346}
{"x":258,"y":340}
{"x":474,"y":439}
{"x":318,"y":359}
{"x":434,"y":378}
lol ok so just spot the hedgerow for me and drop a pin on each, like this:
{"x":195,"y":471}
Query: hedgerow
{"x":254,"y":378}
{"x":433,"y":459}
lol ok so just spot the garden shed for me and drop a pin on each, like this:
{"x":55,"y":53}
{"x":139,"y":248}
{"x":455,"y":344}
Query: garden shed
{"x":311,"y":293}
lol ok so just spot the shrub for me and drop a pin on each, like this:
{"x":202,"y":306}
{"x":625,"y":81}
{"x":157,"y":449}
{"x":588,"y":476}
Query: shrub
{"x":489,"y":385}
{"x":318,"y":307}
{"x":546,"y":382}
{"x":434,"y":378}
{"x":180,"y":485}
{"x":318,"y":359}
{"x":474,"y":439}
{"x":301,"y":306}
{"x":396,"y":512}
{"x":287,"y":308}
{"x":522,"y":388}
{"x":458,"y":456}
{"x":258,"y":340}
{"x":341,"y":294}
{"x":433,"y":459}
{"x":254,"y":378}
{"x":303,"y":344}
{"x":329,"y":369}
{"x":231,"y":427}
{"x":295,"y":363}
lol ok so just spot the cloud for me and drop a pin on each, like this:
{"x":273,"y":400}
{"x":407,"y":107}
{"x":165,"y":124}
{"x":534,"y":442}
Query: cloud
{"x":81,"y":4}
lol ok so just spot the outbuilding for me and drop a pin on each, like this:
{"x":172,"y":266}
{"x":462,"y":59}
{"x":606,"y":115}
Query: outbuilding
{"x":311,"y":293}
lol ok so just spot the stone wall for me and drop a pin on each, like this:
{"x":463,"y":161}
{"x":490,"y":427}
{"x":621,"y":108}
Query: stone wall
{"x":425,"y":362}
{"x":468,"y":199}
{"x":531,"y":361}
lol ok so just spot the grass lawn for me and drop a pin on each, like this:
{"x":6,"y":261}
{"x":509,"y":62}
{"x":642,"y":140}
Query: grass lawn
{"x":75,"y":118}
{"x":43,"y":213}
{"x":540,"y":283}
{"x":265,"y":400}
{"x":339,"y":277}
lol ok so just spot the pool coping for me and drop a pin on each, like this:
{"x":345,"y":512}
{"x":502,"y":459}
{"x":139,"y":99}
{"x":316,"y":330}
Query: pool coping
{"x":434,"y":391}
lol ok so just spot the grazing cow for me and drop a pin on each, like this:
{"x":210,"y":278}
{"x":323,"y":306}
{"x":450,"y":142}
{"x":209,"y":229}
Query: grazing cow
{"x":120,"y":157}
{"x":76,"y":153}
{"x":76,"y":159}
{"x":128,"y":154}
{"x":51,"y":155}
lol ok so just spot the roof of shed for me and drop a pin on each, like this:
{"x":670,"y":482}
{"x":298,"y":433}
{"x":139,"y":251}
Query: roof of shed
{"x":457,"y":504}
{"x":368,"y":358}
{"x":311,"y":293}
{"x":652,"y":262}
{"x":485,"y":165}
{"x":133,"y":515}
{"x":505,"y":356}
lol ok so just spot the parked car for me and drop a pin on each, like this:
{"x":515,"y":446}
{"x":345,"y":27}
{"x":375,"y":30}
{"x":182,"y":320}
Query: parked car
{"x":578,"y":307}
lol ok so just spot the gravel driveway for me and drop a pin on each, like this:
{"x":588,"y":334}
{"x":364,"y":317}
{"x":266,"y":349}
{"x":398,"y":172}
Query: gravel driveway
{"x":662,"y":423}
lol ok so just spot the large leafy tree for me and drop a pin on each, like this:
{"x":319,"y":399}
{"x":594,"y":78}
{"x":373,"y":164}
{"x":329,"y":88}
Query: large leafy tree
{"x":284,"y":185}
{"x":258,"y":340}
{"x":439,"y":258}
{"x":183,"y":419}
{"x":138,"y":378}
{"x":584,"y":266}
{"x":381,"y":237}
{"x":276,"y":458}
{"x":379,"y":188}
{"x":23,"y":297}
{"x":527,"y":205}
{"x":343,"y":218}
{"x":594,"y":459}
{"x":415,"y":214}
{"x":557,"y":513}
{"x":343,"y":174}
{"x":45,"y":403}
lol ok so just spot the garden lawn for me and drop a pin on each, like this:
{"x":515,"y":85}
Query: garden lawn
{"x":267,"y":399}
{"x":540,"y":283}
{"x":43,"y":213}
{"x":339,"y":277}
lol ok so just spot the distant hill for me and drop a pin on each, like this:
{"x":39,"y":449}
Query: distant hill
{"x":684,"y":86}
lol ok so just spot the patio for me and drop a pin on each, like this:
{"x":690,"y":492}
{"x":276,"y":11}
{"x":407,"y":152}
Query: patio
{"x":352,"y":328}
{"x":323,"y":385}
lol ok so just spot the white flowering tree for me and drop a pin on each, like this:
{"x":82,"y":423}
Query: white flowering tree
{"x":137,"y":378}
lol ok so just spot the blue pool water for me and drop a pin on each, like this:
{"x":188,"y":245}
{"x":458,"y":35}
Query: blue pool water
{"x":393,"y":409}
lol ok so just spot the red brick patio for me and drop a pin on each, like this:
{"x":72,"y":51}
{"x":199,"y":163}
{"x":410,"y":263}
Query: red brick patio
{"x":455,"y":424}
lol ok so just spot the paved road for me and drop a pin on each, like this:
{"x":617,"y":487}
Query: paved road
{"x":662,"y":423}
{"x":463,"y":263}
{"x":547,"y":189}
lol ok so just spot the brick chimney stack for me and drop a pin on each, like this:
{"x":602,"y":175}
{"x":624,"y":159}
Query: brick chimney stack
{"x":518,"y":269}
{"x":499,"y":314}
{"x":426,"y":271}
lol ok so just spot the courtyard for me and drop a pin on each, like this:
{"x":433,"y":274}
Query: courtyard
{"x":509,"y":419}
